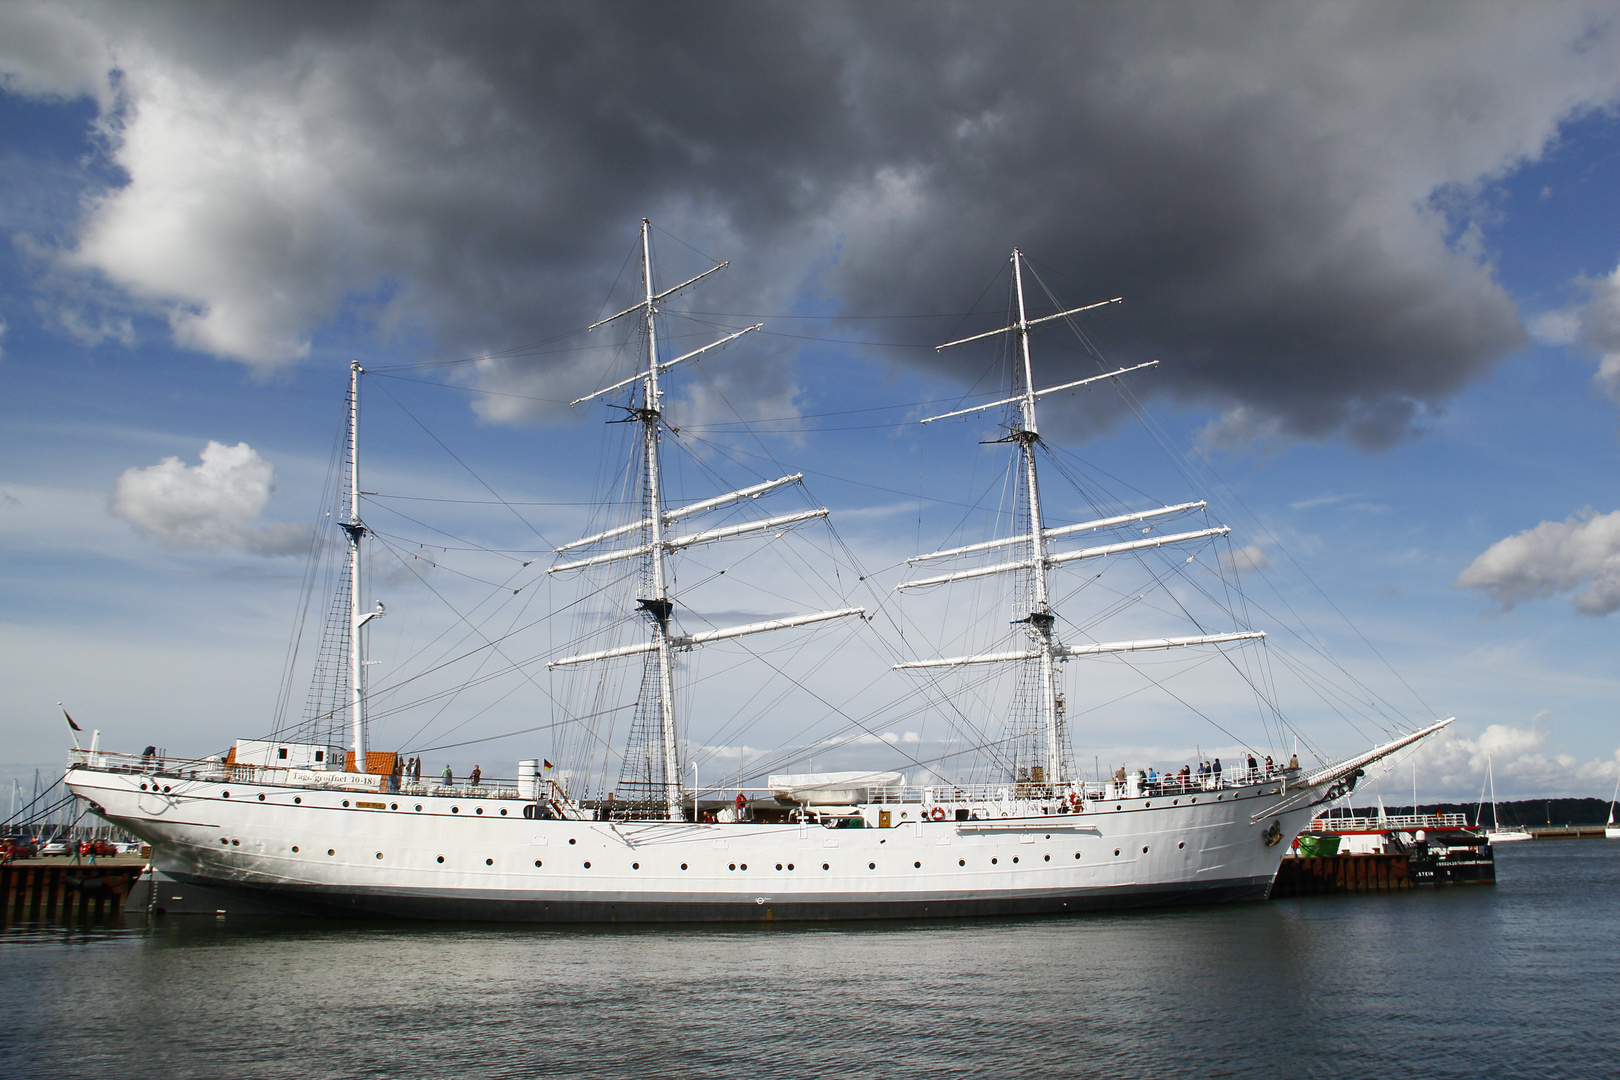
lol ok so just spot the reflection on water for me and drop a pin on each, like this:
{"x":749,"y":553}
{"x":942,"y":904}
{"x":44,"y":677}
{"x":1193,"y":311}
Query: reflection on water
{"x":1515,"y":980}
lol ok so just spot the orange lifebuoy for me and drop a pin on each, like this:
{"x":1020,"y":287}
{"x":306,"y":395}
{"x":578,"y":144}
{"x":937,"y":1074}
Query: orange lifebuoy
{"x":938,"y":813}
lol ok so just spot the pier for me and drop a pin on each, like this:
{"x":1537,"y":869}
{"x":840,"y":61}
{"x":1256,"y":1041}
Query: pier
{"x":56,"y":888}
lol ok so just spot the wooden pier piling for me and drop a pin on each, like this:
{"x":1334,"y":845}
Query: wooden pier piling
{"x":57,"y":889}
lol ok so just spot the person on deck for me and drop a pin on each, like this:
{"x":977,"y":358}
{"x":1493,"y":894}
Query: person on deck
{"x":1216,"y":770}
{"x":446,"y":778}
{"x":476,"y":774}
{"x":1254,"y":767}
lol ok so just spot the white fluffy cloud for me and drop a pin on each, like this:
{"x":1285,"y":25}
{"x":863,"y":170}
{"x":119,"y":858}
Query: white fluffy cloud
{"x":1554,"y":557}
{"x":1523,"y":760}
{"x":1249,"y":557}
{"x":213,"y":504}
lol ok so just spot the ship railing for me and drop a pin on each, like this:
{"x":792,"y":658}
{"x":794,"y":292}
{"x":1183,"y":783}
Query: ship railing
{"x":1389,"y":823}
{"x":1028,"y":791}
{"x":209,"y":768}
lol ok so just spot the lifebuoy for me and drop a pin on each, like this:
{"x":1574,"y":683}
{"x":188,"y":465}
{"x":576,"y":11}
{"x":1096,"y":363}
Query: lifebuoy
{"x":1074,"y":799}
{"x":937,"y":813}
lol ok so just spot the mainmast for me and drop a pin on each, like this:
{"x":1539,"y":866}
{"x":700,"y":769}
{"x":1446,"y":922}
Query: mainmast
{"x":658,"y":606}
{"x":1040,"y":618}
{"x":1046,"y":650}
{"x":654,"y":597}
{"x":356,"y":529}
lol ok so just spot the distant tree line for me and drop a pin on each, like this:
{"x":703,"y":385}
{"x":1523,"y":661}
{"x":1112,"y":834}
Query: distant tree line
{"x":1525,"y":812}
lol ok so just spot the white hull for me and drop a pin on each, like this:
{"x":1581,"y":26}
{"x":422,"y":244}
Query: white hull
{"x":1503,"y":836}
{"x":1611,"y":832}
{"x":440,"y":857}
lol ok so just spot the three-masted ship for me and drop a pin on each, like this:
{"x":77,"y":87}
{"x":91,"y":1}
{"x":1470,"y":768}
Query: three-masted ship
{"x":317,"y":826}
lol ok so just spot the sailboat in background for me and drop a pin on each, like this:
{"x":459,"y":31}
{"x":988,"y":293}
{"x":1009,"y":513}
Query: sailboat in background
{"x":1611,"y":831}
{"x":1496,"y":834}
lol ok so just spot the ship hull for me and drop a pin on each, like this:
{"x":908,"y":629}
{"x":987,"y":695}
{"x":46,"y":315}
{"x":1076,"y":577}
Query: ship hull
{"x":325,"y":852}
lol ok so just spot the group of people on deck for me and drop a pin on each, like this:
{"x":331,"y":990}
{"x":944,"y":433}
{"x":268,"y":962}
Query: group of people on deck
{"x":1208,"y":773}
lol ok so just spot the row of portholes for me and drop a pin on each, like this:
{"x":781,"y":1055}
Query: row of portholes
{"x":298,"y":801}
{"x":155,"y":787}
{"x":994,"y":861}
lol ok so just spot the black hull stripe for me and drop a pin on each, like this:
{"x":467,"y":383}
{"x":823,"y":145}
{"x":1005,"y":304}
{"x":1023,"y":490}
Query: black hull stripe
{"x":444,"y":907}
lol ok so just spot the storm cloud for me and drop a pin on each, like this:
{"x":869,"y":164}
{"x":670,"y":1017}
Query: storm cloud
{"x":1285,"y":194}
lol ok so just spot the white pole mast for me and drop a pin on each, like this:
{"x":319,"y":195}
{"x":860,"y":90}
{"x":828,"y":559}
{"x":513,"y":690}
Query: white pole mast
{"x":355,"y":530}
{"x":658,"y":605}
{"x":1040,"y":619}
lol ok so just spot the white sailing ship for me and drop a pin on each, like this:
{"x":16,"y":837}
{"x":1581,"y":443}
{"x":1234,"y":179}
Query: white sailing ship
{"x":317,"y":827}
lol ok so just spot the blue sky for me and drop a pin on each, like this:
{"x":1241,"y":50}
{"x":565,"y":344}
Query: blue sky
{"x":1380,"y":279}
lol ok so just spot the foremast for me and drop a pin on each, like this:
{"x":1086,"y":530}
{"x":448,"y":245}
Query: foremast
{"x":1047,"y":650}
{"x":654,"y":598}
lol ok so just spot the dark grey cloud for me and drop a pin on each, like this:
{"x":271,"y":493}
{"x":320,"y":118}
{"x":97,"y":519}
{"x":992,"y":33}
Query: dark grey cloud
{"x":1280,"y":191}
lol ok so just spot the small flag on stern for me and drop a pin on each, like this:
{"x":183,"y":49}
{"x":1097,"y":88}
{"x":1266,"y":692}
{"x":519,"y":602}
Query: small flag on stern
{"x":71,"y":724}
{"x":548,"y":764}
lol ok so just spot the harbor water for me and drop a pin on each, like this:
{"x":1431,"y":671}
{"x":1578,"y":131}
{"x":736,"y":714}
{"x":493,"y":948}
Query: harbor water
{"x":1516,"y":979}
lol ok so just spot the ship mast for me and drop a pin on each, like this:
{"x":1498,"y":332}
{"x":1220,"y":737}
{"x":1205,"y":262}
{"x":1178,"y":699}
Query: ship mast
{"x":658,"y":606}
{"x":355,"y":530}
{"x":654,"y":598}
{"x":1040,"y":620}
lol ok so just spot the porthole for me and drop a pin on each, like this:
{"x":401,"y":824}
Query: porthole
{"x":1146,"y":805}
{"x":1048,"y":858}
{"x":537,"y":862}
{"x":491,"y":862}
{"x":826,"y":866}
{"x":1015,"y":858}
{"x":165,"y":789}
{"x":731,"y":866}
{"x":503,"y":811}
{"x":1218,"y":798}
{"x":261,"y":796}
{"x":917,"y":865}
{"x":961,"y":862}
{"x":331,"y":851}
{"x":1116,"y":851}
{"x":143,"y":787}
{"x":479,"y":811}
{"x":779,"y":866}
{"x":993,"y":862}
{"x":635,"y":866}
{"x":379,"y":854}
{"x":441,"y":858}
{"x":418,"y":808}
{"x":683,"y":866}
{"x":1144,"y":849}
{"x":453,"y":809}
{"x":236,"y":843}
{"x":1192,"y":800}
{"x":345,"y":802}
{"x":744,"y":866}
{"x":871,"y":866}
{"x":228,"y":795}
{"x":1119,"y":808}
{"x":790,"y":866}
{"x":225,"y":840}
{"x":1176,"y":802}
{"x":1181,"y":843}
{"x":393,"y":806}
{"x":1077,"y":854}
{"x":587,"y":866}
{"x":571,"y":840}
{"x":298,"y":800}
{"x":295,"y":849}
